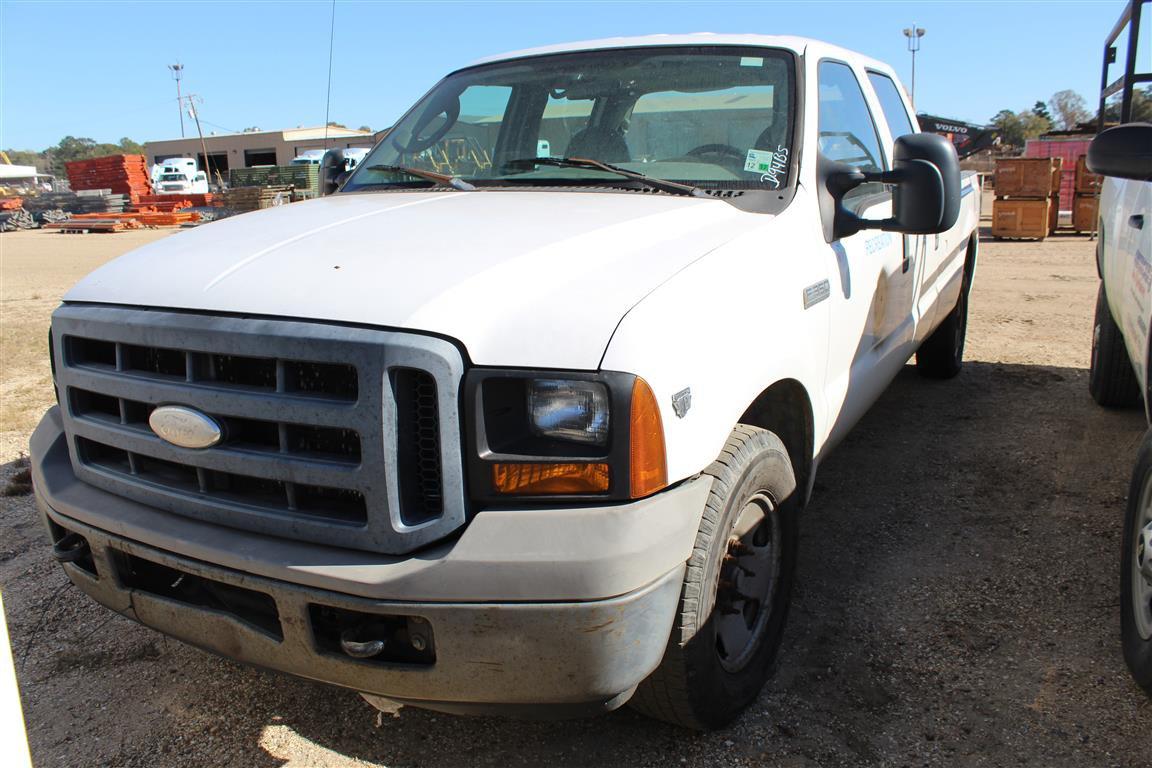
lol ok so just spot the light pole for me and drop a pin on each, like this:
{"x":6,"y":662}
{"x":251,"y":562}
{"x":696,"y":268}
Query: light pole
{"x":914,"y":33}
{"x":177,"y":73}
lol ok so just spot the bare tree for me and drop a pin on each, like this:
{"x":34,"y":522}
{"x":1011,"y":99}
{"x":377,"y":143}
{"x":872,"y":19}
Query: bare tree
{"x":1069,"y":109}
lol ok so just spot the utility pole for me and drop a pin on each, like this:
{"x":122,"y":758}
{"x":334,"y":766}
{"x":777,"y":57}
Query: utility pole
{"x":193,"y":114}
{"x":177,"y":73}
{"x":914,"y":33}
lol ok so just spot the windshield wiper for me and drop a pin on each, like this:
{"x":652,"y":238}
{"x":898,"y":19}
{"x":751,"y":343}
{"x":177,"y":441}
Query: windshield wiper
{"x":673,"y":187}
{"x":440,"y":178}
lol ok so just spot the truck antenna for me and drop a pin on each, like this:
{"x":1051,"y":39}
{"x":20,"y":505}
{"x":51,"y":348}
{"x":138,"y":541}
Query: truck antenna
{"x":328,"y":99}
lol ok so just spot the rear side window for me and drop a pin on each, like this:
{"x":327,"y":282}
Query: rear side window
{"x":899,"y":124}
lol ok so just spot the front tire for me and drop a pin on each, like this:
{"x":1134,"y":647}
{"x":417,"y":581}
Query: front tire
{"x":1136,"y":572}
{"x":736,"y":589}
{"x":1111,"y":380}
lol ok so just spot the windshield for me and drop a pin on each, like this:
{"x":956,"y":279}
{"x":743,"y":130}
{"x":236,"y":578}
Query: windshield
{"x":173,"y":177}
{"x":715,"y":117}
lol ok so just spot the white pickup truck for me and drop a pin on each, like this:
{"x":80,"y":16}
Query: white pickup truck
{"x":1121,"y":367}
{"x":531,"y":436}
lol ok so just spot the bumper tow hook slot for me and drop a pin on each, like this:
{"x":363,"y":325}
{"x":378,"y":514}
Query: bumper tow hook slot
{"x":351,"y":643}
{"x":70,"y":548}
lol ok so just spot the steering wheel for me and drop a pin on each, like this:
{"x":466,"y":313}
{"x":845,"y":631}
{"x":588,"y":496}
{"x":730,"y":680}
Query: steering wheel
{"x":864,"y":161}
{"x":720,"y":151}
{"x":418,"y":143}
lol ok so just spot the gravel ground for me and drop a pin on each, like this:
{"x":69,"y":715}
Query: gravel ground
{"x":956,"y":604}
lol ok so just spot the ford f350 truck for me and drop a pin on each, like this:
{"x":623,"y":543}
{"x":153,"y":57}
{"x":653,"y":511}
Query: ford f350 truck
{"x":530,"y":436}
{"x":1121,"y":368}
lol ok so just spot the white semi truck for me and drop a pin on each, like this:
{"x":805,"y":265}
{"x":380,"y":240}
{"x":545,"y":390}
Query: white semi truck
{"x":529,"y":436}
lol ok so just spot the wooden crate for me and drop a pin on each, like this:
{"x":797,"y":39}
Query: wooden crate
{"x":1084,"y":212}
{"x":1086,"y":181}
{"x":1015,"y":217}
{"x":1028,"y":176}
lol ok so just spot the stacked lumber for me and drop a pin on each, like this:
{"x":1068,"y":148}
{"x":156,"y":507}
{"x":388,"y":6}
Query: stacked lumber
{"x":175,"y":202}
{"x":1087,"y":201}
{"x":1027,"y":200}
{"x":242,"y":199}
{"x":73,"y":203}
{"x":145,"y":218}
{"x":84,"y":225}
{"x":121,"y":174}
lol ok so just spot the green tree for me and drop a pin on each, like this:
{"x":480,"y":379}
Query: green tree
{"x":1015,"y":128}
{"x":1040,"y":109}
{"x":28,"y":157}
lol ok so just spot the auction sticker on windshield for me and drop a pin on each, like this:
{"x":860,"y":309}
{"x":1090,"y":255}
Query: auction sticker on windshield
{"x":759,"y":161}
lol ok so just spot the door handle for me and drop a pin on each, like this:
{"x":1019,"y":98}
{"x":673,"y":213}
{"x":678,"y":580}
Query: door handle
{"x":1136,"y":220}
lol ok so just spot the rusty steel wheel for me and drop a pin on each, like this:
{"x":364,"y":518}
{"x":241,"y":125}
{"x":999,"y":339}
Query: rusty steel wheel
{"x":749,"y":577}
{"x":734,"y":599}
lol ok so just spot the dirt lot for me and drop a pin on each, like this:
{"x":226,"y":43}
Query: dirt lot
{"x":957,"y":601}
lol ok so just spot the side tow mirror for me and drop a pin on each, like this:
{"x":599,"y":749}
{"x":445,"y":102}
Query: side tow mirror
{"x":925,"y":198}
{"x":331,"y":169}
{"x":1124,"y":152}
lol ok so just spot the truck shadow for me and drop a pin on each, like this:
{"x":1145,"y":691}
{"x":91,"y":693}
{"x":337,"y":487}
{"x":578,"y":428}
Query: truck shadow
{"x":938,"y":531}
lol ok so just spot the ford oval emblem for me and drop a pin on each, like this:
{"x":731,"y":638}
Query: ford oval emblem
{"x":185,"y":427}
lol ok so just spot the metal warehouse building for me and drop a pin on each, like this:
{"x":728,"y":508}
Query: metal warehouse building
{"x":245,"y":150}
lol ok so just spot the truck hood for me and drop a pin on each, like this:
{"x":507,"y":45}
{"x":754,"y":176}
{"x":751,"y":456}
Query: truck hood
{"x":521,"y":278}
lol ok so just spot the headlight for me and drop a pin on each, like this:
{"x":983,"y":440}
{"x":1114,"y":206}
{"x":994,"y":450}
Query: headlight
{"x":569,"y":410}
{"x":578,"y":435}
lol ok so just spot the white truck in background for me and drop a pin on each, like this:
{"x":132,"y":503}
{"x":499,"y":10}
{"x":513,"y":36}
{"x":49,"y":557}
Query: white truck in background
{"x":352,"y":156}
{"x":308,"y":157}
{"x":532,"y":436}
{"x":179,"y":175}
{"x":1121,"y":367}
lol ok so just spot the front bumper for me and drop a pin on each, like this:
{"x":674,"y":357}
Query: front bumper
{"x":563,"y":620}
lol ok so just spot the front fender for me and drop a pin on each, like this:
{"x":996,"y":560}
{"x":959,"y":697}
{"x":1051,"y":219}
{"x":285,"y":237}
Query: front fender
{"x":726,"y":328}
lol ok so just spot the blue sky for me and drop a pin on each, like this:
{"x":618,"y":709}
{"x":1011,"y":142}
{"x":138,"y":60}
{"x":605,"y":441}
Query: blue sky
{"x":98,"y":69}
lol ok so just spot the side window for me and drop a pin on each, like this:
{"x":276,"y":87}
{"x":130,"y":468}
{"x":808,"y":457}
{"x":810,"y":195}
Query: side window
{"x":899,"y":124}
{"x":847,"y":130}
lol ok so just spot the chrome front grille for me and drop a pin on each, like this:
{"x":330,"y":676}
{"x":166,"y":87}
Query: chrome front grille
{"x":334,"y":435}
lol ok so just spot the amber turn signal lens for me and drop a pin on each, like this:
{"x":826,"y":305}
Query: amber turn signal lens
{"x":646,"y":438}
{"x":549,"y":479}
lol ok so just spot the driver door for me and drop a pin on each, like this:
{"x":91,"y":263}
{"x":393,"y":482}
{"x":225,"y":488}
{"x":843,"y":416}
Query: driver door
{"x":873,"y":285}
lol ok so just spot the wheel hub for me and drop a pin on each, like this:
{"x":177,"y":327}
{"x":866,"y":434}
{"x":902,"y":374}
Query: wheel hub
{"x":749,"y":574}
{"x":1142,"y":564}
{"x":1144,"y":553}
